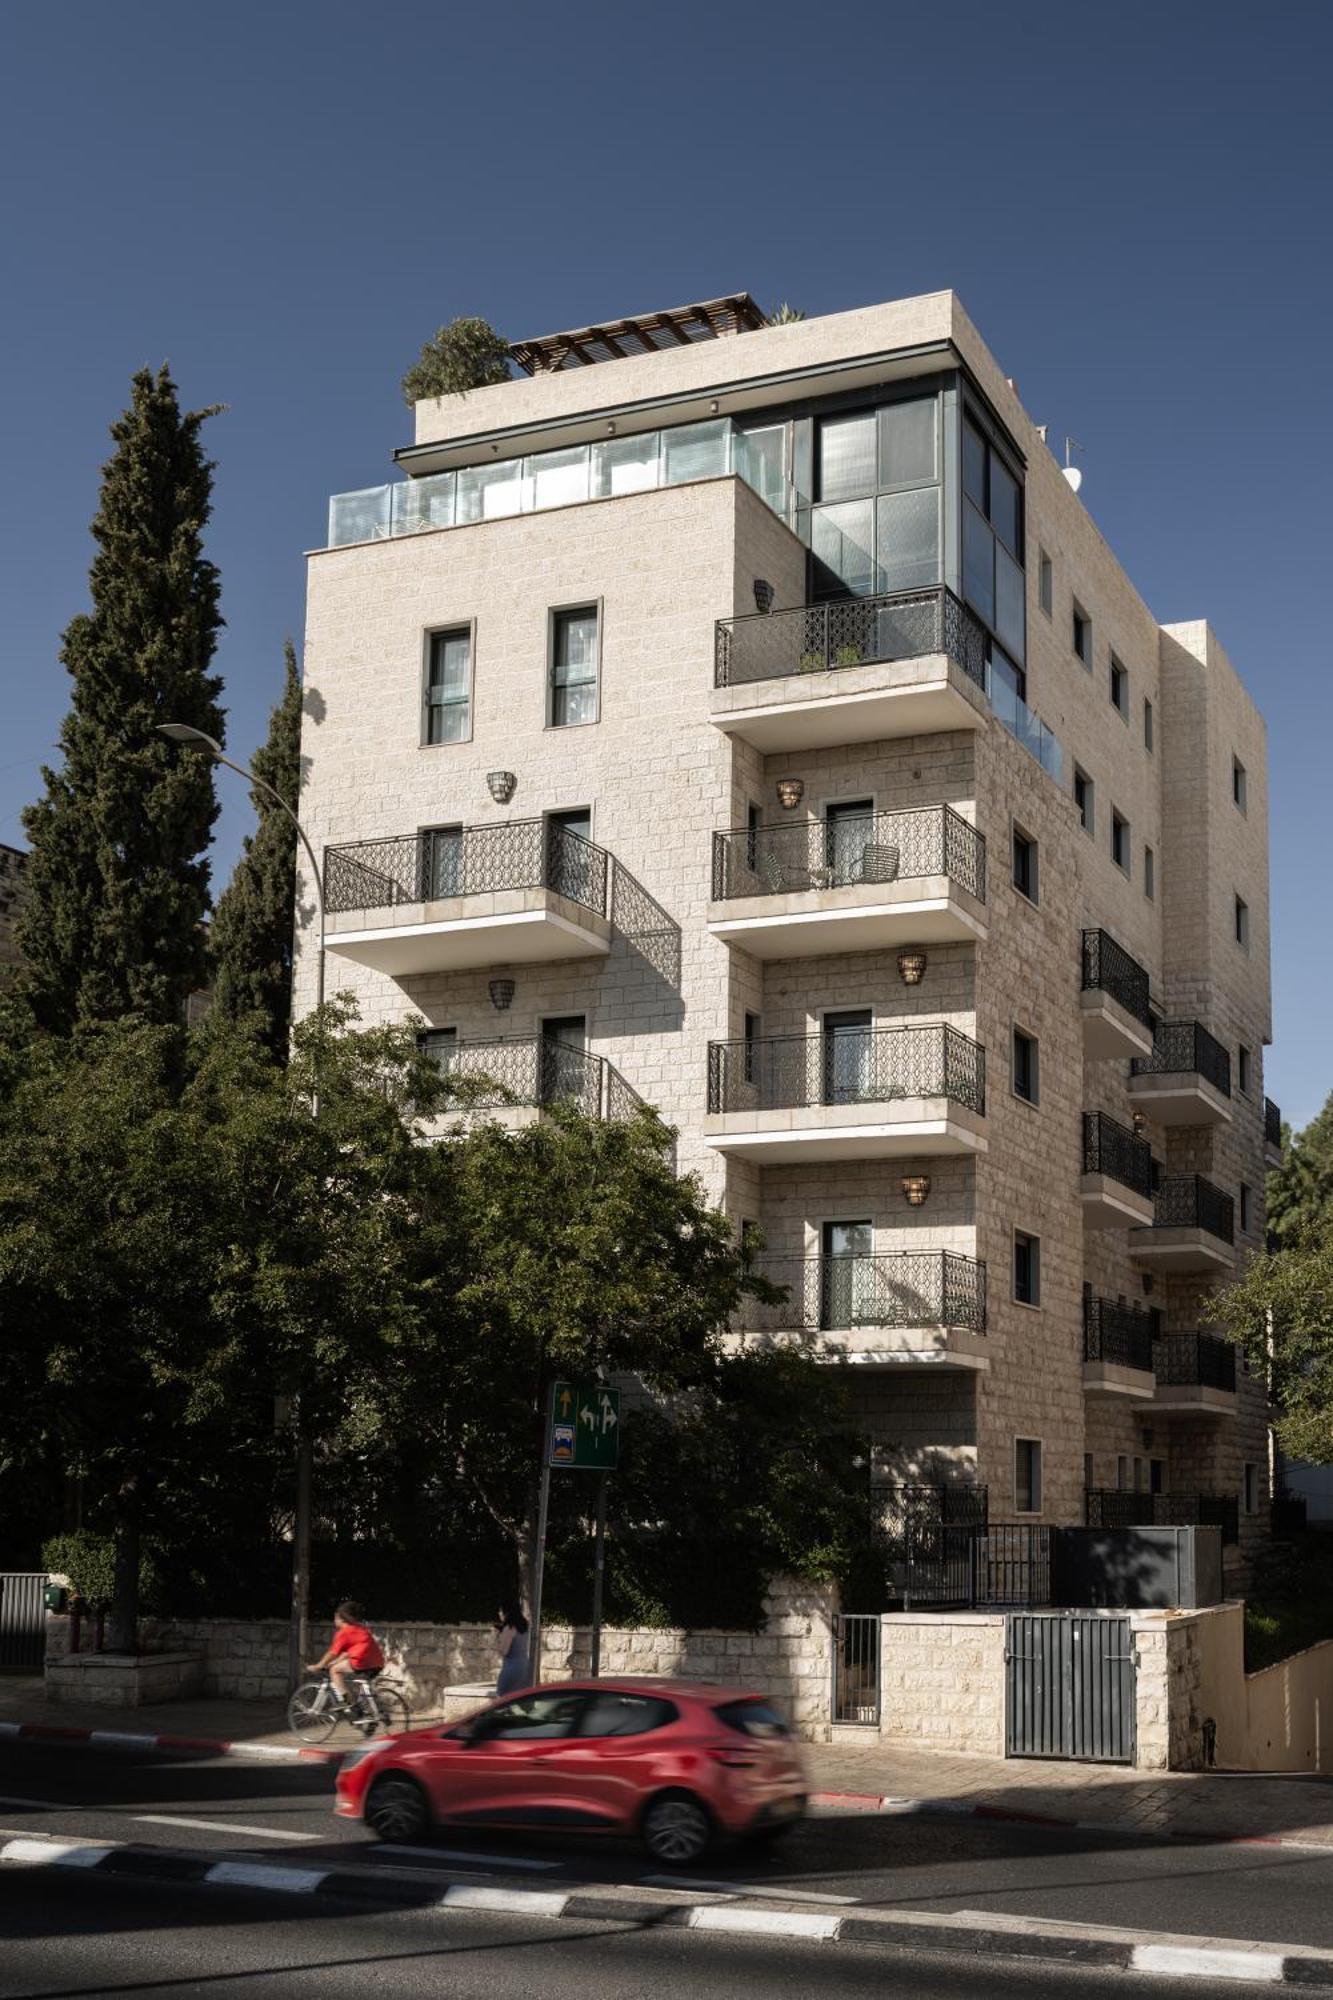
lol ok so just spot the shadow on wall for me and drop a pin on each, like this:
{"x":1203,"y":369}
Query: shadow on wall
{"x":1279,"y":1719}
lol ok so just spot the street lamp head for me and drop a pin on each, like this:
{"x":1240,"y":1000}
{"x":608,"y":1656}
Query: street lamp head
{"x":181,"y":732}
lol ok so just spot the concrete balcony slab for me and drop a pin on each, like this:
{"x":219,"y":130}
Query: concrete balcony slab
{"x":1109,"y":1204}
{"x":1179,"y":1097}
{"x":1186,"y":1249}
{"x":861,"y":704}
{"x":903,"y":1127}
{"x":1110,"y":1378}
{"x":857,"y":916}
{"x":1110,"y":1030}
{"x":501,"y":927}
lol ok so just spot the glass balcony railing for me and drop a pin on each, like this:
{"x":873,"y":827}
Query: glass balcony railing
{"x":605,"y":470}
{"x":1021,"y":722}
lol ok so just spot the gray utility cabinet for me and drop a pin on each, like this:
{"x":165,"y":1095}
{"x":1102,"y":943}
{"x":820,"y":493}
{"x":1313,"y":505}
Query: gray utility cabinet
{"x":1137,"y":1569}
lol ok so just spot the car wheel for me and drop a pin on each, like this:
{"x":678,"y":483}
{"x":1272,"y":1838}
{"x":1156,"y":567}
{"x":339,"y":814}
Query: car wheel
{"x":677,"y":1829}
{"x":397,"y":1810}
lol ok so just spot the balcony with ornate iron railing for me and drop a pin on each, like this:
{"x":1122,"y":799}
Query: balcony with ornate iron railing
{"x":849,"y":1093}
{"x":908,"y":663}
{"x":1272,"y":1133}
{"x":903,"y":1307}
{"x":1117,"y":1348}
{"x":1186,"y":1080}
{"x":1108,"y":1507}
{"x":1196,"y":1375}
{"x":856,"y":883}
{"x":1192,"y":1231}
{"x":1114,"y":1000}
{"x":521,"y":1076}
{"x":1117,"y":1185}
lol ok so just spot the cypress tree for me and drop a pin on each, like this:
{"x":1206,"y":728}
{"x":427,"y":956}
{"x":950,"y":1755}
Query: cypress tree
{"x":251,"y":939}
{"x":117,"y":883}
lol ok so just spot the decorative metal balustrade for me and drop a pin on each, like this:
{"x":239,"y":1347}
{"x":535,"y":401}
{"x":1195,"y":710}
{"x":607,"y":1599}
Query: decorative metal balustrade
{"x":1110,"y":1148}
{"x":438,"y":864}
{"x":1118,"y":1335}
{"x":1272,"y":1124}
{"x":1188,"y":1201}
{"x":793,"y":857}
{"x":1108,"y":968}
{"x":846,"y":1066}
{"x":1202,"y":1359}
{"x":1108,"y":1507}
{"x":1183,"y":1046}
{"x":903,"y":1289}
{"x":819,"y":638}
{"x":537,"y":1070}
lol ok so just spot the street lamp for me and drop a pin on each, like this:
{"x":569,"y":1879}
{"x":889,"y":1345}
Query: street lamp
{"x":298,"y":1645}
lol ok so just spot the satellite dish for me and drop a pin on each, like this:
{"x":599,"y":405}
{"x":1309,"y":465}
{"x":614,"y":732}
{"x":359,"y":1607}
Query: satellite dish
{"x":1074,"y":476}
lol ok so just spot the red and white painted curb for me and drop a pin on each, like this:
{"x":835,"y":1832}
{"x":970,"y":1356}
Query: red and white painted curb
{"x":122,"y":1739}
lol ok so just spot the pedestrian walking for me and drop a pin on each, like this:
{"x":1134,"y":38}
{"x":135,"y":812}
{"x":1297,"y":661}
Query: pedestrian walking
{"x":511,"y":1643}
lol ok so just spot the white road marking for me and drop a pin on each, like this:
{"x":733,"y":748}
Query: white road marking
{"x":257,"y":1875}
{"x":775,"y":1892}
{"x":478,"y":1860}
{"x":1171,"y":1961}
{"x":770,"y":1923}
{"x":519,"y":1902}
{"x":222,"y":1826}
{"x":54,"y":1853}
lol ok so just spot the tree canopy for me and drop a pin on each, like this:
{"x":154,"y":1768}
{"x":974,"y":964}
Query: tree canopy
{"x":466,"y":354}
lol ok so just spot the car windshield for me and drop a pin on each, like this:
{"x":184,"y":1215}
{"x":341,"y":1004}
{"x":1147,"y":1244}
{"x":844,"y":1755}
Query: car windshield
{"x":532,"y":1715}
{"x":752,"y":1718}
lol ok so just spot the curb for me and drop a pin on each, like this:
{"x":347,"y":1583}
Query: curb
{"x":877,"y":1802}
{"x":900,"y":1930}
{"x":120,"y":1739}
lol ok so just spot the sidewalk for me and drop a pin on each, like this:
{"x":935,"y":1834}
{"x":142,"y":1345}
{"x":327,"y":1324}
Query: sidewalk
{"x":1185,"y":1804}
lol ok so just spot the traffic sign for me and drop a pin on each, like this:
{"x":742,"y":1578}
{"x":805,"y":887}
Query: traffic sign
{"x":585,"y":1428}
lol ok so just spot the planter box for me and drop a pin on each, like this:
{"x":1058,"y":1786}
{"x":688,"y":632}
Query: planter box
{"x":124,"y":1680}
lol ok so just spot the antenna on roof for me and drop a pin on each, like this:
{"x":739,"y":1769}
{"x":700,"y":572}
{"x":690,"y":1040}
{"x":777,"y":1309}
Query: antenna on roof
{"x":1071,"y":471}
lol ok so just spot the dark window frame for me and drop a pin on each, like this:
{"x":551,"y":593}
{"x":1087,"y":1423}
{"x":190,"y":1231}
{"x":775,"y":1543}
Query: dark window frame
{"x":430,"y":707}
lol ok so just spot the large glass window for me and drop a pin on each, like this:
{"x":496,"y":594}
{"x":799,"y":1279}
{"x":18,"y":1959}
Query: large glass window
{"x":846,"y":457}
{"x":448,"y":716}
{"x":843,"y":542}
{"x":574,"y":667}
{"x":625,"y":465}
{"x":907,"y":539}
{"x":559,"y":478}
{"x":908,"y":453}
{"x":876,"y":520}
{"x":993,"y":541}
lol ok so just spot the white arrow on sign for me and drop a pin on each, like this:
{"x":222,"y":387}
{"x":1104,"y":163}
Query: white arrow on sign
{"x":588,"y":1416}
{"x":609,"y":1418}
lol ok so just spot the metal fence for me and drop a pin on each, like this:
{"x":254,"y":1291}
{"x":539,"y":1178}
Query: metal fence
{"x":856,"y":1668}
{"x":1117,"y":1334}
{"x":1107,"y":1507}
{"x":1188,"y":1201}
{"x":1108,"y":968}
{"x":818,"y":638}
{"x":1202,"y":1358}
{"x":1184,"y":1046}
{"x":1110,"y":1148}
{"x":846,"y":1066}
{"x":22,"y":1620}
{"x":538,"y":1070}
{"x":797,"y":856}
{"x":906,"y":1288}
{"x":436,"y":864}
{"x":995,"y":1565}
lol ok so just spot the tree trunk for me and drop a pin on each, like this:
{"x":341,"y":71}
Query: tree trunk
{"x":125,"y":1587}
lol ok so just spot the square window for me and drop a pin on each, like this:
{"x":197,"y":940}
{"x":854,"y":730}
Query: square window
{"x":1027,"y":1269}
{"x":1081,"y":635}
{"x":1119,"y":687}
{"x":1244,"y":1206}
{"x":1147,"y":726}
{"x":1045,"y":582}
{"x":448,"y":693}
{"x":574,"y":651}
{"x":1027,"y":1476}
{"x":1024,"y":1066}
{"x":1242,"y":923}
{"x":1120,"y":841}
{"x":1084,"y":799}
{"x":1239,"y":791}
{"x":1244,"y":1062}
{"x":1025,"y":864}
{"x":1149,"y":873}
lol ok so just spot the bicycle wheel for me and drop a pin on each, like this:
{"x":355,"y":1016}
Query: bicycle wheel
{"x":310,"y":1712}
{"x":393,"y":1711}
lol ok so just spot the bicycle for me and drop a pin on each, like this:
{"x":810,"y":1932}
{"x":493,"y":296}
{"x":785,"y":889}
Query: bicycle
{"x":315,"y":1710}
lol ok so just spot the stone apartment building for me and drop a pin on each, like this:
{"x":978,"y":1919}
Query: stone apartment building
{"x":752,"y":719}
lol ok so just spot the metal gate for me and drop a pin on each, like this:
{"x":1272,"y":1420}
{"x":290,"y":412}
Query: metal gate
{"x":856,"y":1655}
{"x":1069,"y":1686}
{"x":22,"y":1620}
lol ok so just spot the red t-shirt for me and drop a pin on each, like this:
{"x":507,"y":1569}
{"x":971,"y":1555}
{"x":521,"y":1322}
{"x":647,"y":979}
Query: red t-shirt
{"x":360,"y":1645}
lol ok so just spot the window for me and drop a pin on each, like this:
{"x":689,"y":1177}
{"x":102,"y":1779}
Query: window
{"x":1149,"y":873}
{"x":1027,"y":1476}
{"x":1147,"y":726}
{"x":1138,"y":1475}
{"x":1119,"y":688}
{"x":563,"y":1077}
{"x":1027,"y":1269}
{"x":1088,"y":1479}
{"x":1121,"y":1473}
{"x":1239,"y":794}
{"x":1025,"y":864}
{"x":574,"y":648}
{"x":1157,"y":1475}
{"x":849,"y":830}
{"x":754,"y":819}
{"x":438,"y":1045}
{"x":448,"y":705}
{"x":1045,"y":582}
{"x":1242,"y":923}
{"x":752,"y":1718}
{"x":625,"y":1715}
{"x":752,"y":1031}
{"x":1081,"y":635}
{"x":1024,"y":1069}
{"x":548,"y":1715}
{"x":876,"y":522}
{"x":1251,"y":1487}
{"x":1244,"y":1206}
{"x":1120,"y":841}
{"x":441,"y":862}
{"x":993,"y":540}
{"x":1084,"y":798}
{"x":1244,"y":1063}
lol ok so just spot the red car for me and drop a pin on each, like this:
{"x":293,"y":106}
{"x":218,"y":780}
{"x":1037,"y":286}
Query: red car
{"x":679,"y":1764}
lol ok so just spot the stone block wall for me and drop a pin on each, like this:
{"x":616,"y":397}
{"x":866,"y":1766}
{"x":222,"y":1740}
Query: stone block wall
{"x":943,"y":1681}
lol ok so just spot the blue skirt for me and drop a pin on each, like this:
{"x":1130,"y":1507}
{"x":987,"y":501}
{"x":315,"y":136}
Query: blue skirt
{"x":513,"y":1670}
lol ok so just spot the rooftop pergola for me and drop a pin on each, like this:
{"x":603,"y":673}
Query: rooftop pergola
{"x":644,"y":333}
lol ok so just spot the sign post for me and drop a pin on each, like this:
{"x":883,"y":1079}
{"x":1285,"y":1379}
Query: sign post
{"x":598,"y":1573}
{"x":582,"y":1435}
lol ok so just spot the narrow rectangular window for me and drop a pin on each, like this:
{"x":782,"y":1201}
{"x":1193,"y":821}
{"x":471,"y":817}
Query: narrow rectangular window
{"x":1243,"y":1067}
{"x":754,"y":819}
{"x":440,"y":863}
{"x":1088,"y":1480}
{"x":1149,"y":873}
{"x":1156,"y":1475}
{"x":1251,"y":1487}
{"x":1244,"y":1206}
{"x":1120,"y":848}
{"x":1121,"y":1473}
{"x":1027,"y":1269}
{"x":1119,"y":687}
{"x":574,"y":636}
{"x":752,"y":1031}
{"x":448,"y":717}
{"x":1081,"y":634}
{"x":1025,"y":864}
{"x":1138,"y":1475}
{"x":1239,"y":790}
{"x":1242,"y":923}
{"x":1025,"y":1066}
{"x":1045,"y":583}
{"x":1084,"y":799}
{"x":1147,"y":726}
{"x":750,"y":1240}
{"x":1027,"y":1476}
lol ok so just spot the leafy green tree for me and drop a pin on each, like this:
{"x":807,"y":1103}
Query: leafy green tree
{"x":117,"y":883}
{"x":1281,"y":1314}
{"x":250,"y":940}
{"x":1300,"y":1191}
{"x":466,"y":354}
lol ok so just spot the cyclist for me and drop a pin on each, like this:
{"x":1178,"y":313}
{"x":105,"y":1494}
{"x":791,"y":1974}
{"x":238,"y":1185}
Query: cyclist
{"x":354,"y":1650}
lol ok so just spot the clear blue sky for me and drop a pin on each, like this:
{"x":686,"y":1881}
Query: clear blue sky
{"x":285,"y":199}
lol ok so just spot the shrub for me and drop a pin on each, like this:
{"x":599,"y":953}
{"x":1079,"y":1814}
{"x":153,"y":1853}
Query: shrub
{"x":88,"y":1560}
{"x":466,"y":354}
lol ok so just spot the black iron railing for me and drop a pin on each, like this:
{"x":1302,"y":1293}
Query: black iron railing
{"x":1272,"y":1124}
{"x":1194,"y":1359}
{"x":439,"y":864}
{"x":817,"y":638}
{"x":1188,"y":1201}
{"x":906,"y":1288}
{"x":1107,"y":1507}
{"x":1119,"y":1335}
{"x":846,"y":1066}
{"x":1183,"y":1046}
{"x":999,"y":1565}
{"x":794,"y":857}
{"x":537,"y":1070}
{"x":1108,"y":968}
{"x":1110,"y":1148}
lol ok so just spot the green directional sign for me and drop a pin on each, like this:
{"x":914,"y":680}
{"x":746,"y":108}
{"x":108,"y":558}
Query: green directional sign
{"x":585,"y":1428}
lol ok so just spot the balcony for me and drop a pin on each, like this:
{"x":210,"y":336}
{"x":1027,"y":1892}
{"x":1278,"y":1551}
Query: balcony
{"x":1187,"y":1078}
{"x":1196,"y":1375}
{"x":1117,"y":1349}
{"x":1107,"y":1507}
{"x":856,"y":884}
{"x":1114,"y":1000}
{"x":1192,"y":1231}
{"x":1116,"y":1188}
{"x":515,"y":1081}
{"x":847,"y":1094}
{"x":912,"y":1308}
{"x":518,"y":892}
{"x":908,"y":664}
{"x":1272,"y":1134}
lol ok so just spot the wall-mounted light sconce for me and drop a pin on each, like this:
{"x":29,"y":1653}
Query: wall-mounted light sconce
{"x":501,"y":992}
{"x":763,"y":594}
{"x":501,"y":785}
{"x":790,"y":793}
{"x":1138,"y":1121}
{"x":610,"y":430}
{"x":911,"y":967}
{"x":715,"y":406}
{"x":917,"y":1188}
